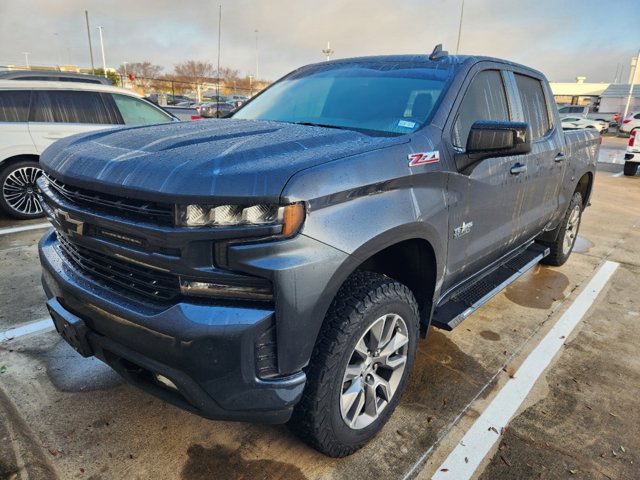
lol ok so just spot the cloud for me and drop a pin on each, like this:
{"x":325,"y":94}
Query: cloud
{"x":563,"y":39}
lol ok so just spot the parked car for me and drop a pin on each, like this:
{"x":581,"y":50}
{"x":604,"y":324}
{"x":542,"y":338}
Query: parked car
{"x":581,"y":122}
{"x":588,"y":111}
{"x":184,"y":113}
{"x":574,"y":110}
{"x":53,"y":76}
{"x":280,"y":265}
{"x":632,"y":156}
{"x":34,"y":114}
{"x":216,"y":109}
{"x":631,"y":123}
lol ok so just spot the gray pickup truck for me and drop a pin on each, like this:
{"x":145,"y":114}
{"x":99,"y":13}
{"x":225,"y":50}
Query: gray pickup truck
{"x":280,"y":265}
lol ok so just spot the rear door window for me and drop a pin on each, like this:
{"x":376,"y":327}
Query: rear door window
{"x":138,"y":112}
{"x":74,"y":106}
{"x":485,"y":99}
{"x":14,"y":105}
{"x":534,"y":105}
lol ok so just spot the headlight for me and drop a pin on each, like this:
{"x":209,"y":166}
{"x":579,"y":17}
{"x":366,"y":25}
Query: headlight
{"x":289,"y":216}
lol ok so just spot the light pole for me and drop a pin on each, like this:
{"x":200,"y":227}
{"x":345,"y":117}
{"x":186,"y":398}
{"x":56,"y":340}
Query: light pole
{"x":327,"y":51}
{"x":460,"y":27}
{"x":26,"y":59}
{"x":86,"y":16}
{"x":124,"y":64}
{"x":251,"y":85}
{"x":104,"y":62}
{"x":257,"y":57}
{"x":631,"y":83}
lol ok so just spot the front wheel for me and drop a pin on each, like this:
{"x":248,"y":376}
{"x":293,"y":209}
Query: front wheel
{"x":18,"y":197}
{"x":360,"y":366}
{"x":562,"y":246}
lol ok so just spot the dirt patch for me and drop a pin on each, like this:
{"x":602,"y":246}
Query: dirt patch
{"x":222,"y":462}
{"x":539,"y":288}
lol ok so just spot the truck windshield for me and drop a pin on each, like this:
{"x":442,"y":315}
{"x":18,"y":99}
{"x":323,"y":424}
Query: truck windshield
{"x":372,"y":97}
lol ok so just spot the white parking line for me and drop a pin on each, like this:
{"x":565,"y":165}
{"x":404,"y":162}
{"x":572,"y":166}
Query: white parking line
{"x":37,"y":326}
{"x":463,"y":461}
{"x":619,"y":174}
{"x":26,"y":228}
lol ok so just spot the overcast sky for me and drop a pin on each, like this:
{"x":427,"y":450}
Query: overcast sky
{"x":564,"y":38}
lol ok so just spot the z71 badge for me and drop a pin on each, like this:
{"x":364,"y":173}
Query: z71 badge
{"x":416,"y":159}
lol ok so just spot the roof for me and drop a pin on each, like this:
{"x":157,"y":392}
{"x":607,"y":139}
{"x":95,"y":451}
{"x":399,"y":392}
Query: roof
{"x":48,"y":85}
{"x":574,"y":88}
{"x":621,"y":90}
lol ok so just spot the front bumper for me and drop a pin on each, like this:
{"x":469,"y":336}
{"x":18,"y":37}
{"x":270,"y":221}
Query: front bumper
{"x":206,"y":351}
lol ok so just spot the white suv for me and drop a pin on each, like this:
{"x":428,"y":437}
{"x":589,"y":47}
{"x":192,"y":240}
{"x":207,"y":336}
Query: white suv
{"x":34,"y":114}
{"x":631,"y":123}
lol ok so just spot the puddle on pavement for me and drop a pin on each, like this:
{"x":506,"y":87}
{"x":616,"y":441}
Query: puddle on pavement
{"x":538,"y":288}
{"x":222,"y":462}
{"x":489,"y":335}
{"x":70,"y":372}
{"x":444,"y":381}
{"x":582,"y":245}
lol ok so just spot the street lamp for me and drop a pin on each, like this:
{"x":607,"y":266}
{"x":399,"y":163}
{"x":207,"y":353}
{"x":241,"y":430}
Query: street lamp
{"x":257,"y":57}
{"x":26,"y":59}
{"x":104,"y":62}
{"x":327,"y":51}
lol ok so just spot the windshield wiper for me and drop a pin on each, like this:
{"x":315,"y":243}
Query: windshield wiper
{"x":311,"y":124}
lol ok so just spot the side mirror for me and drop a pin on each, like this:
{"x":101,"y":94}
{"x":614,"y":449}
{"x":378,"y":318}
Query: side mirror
{"x":494,"y":139}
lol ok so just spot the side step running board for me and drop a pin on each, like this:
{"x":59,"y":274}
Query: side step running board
{"x":457,"y":306}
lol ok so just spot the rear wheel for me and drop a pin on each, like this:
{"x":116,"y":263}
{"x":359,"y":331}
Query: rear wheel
{"x":630,"y":168}
{"x":562,"y":246}
{"x":18,"y":196}
{"x":360,"y":366}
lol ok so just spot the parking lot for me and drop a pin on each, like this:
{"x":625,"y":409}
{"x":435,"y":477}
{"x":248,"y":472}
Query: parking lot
{"x":69,"y":417}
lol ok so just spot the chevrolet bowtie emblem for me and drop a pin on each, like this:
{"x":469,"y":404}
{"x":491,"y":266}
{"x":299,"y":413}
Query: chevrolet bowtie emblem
{"x":68,"y":224}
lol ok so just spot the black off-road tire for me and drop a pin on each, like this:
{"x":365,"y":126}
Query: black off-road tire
{"x":363,"y":299}
{"x":630,"y":169}
{"x":559,"y":252}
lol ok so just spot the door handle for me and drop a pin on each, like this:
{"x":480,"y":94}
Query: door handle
{"x":518,"y":168}
{"x":560,"y":157}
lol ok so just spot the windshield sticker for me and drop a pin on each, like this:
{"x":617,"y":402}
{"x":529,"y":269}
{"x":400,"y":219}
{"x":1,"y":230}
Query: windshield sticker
{"x":416,"y":159}
{"x":406,"y":124}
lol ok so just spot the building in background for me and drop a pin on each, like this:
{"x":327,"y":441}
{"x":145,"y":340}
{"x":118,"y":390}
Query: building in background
{"x":578,"y":92}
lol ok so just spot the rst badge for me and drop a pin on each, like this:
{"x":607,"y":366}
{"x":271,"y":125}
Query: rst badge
{"x":424,"y":158}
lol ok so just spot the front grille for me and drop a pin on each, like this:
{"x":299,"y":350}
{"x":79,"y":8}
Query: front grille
{"x":140,"y":210}
{"x":120,"y":274}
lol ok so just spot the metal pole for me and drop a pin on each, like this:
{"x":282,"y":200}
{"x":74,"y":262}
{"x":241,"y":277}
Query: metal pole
{"x":460,"y":28}
{"x":86,"y":15}
{"x":633,"y":78}
{"x":104,"y":62}
{"x":26,"y":59}
{"x":257,"y":57}
{"x":218,"y":70}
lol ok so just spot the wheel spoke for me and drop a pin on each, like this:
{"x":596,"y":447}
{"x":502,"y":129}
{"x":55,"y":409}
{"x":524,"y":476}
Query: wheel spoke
{"x":353,"y":371}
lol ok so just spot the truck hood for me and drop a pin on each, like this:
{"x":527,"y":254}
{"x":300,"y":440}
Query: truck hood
{"x":194,"y":161}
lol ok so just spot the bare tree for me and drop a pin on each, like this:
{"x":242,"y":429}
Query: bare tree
{"x":195,"y":72}
{"x":144,"y":73}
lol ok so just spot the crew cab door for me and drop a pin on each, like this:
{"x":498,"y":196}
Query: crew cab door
{"x":546,"y":163}
{"x":485,"y":201}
